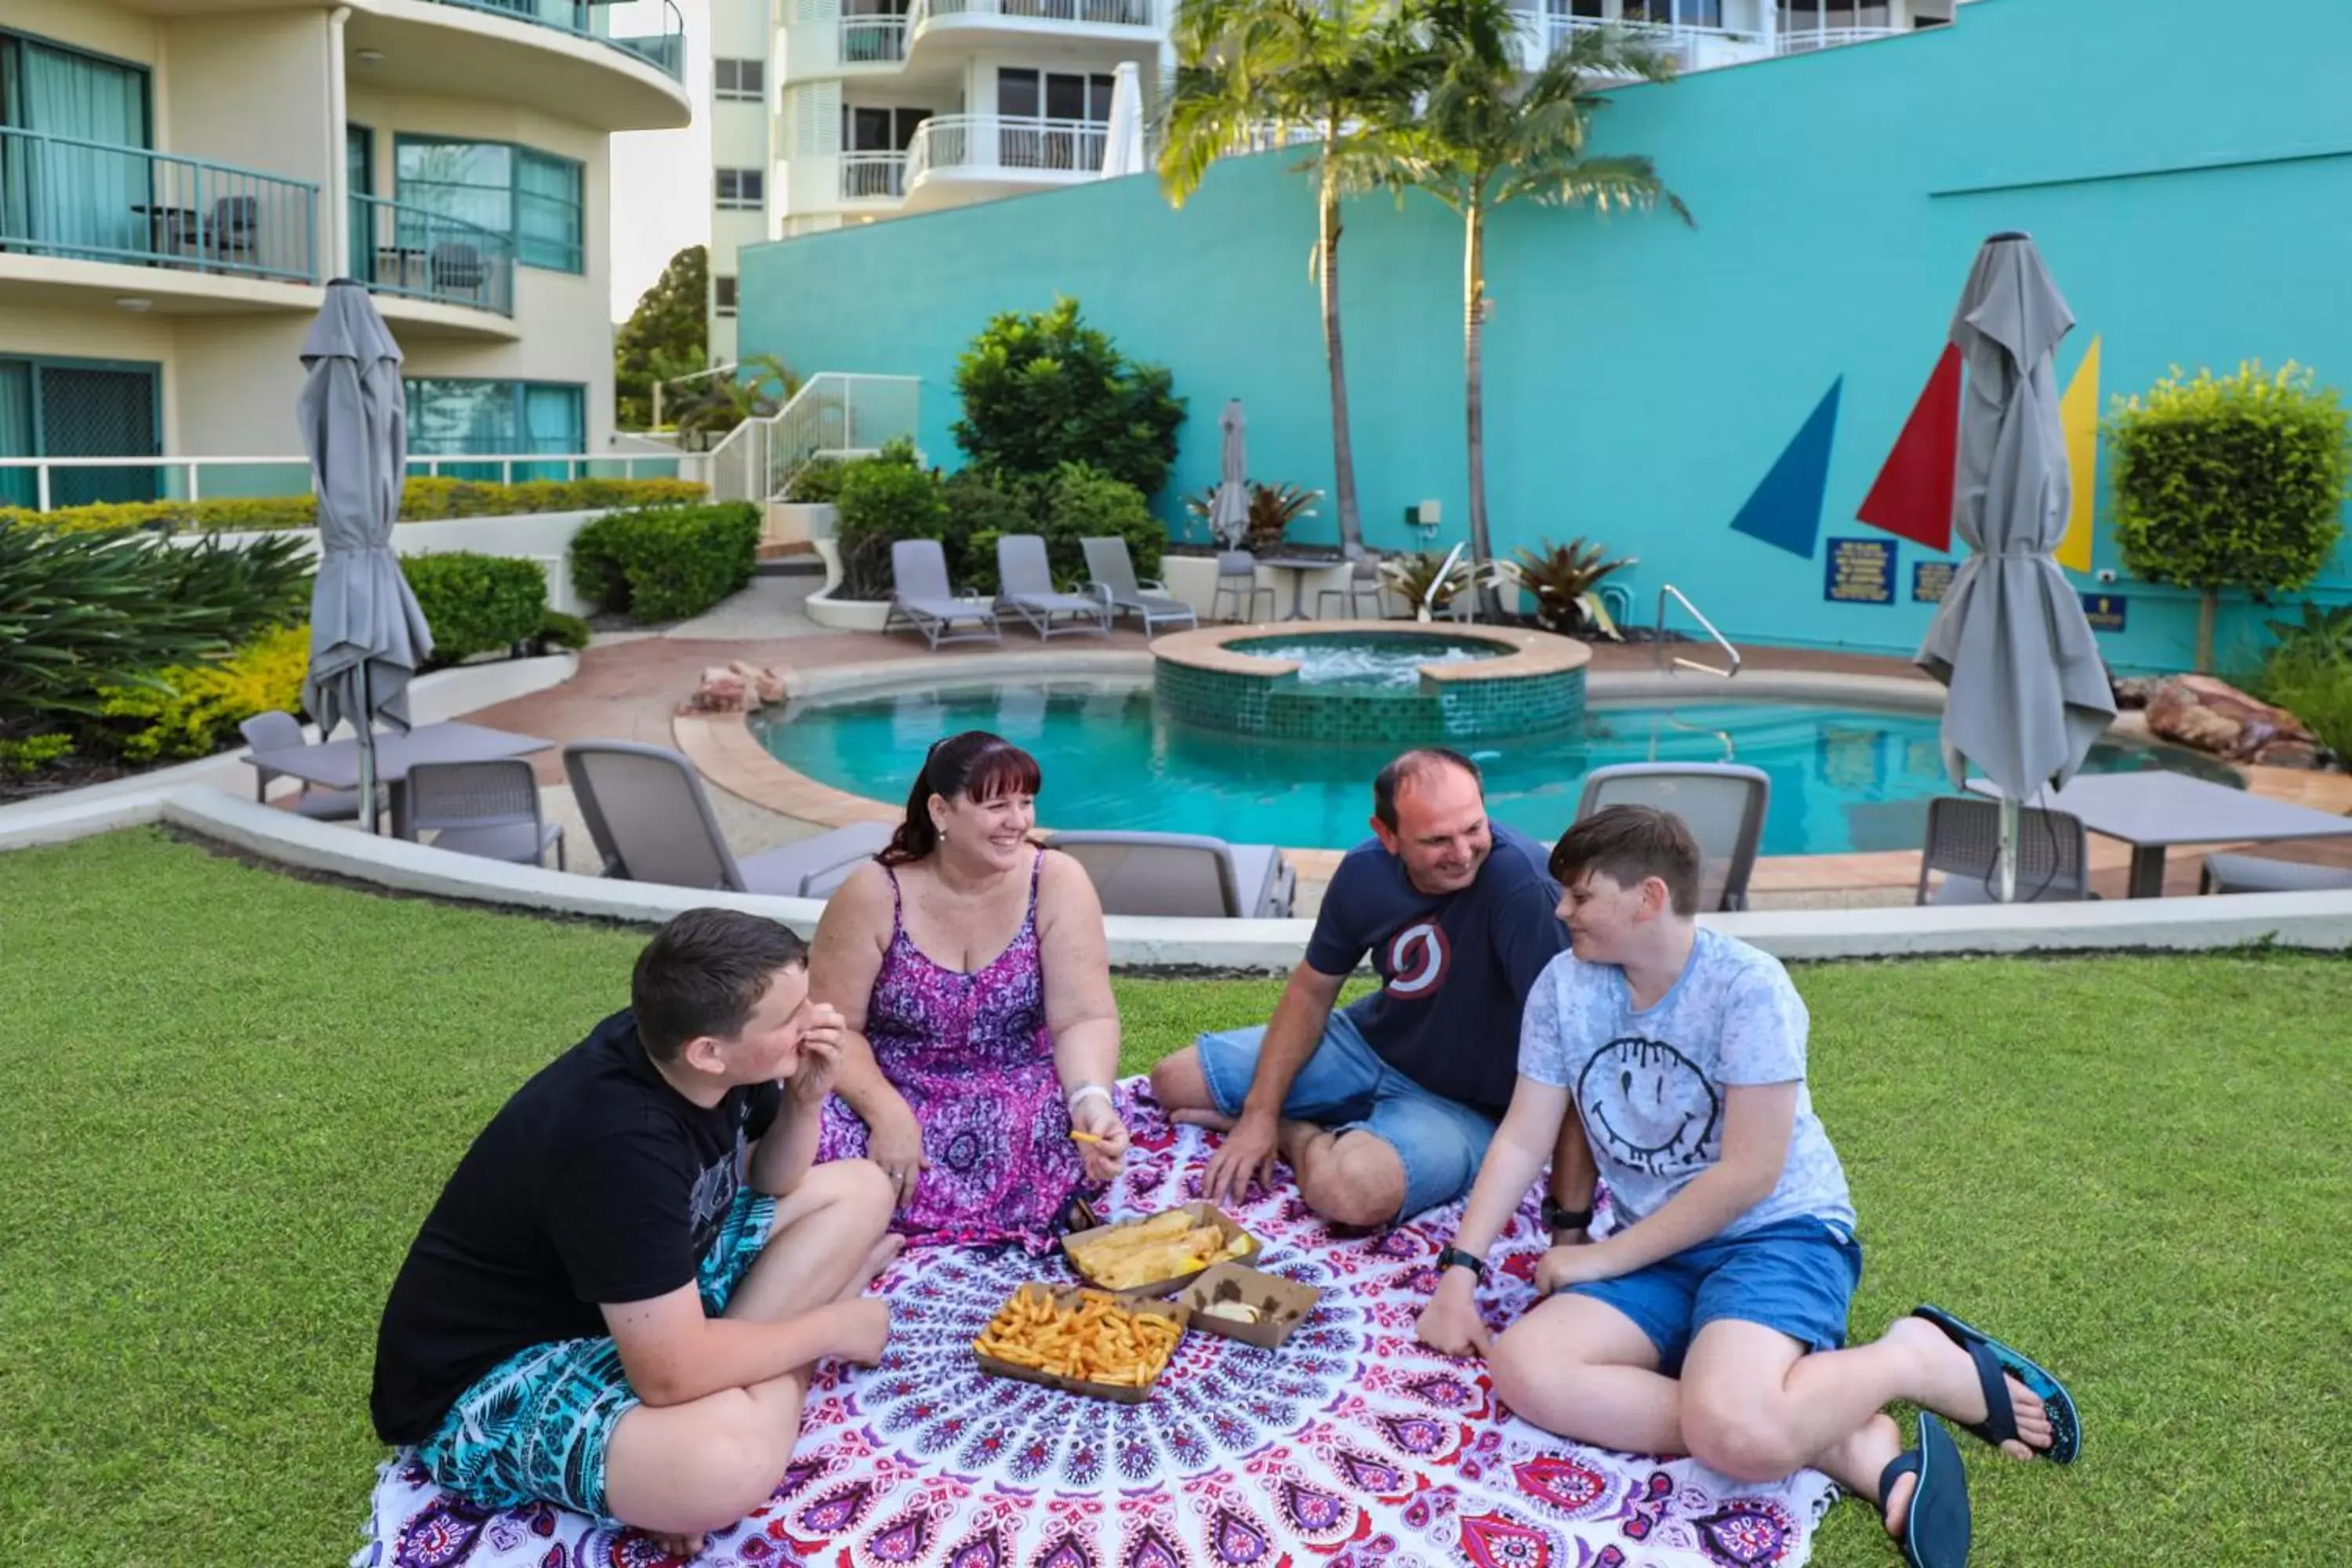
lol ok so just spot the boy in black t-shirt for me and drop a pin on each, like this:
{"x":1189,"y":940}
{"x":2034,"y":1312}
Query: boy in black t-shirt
{"x":617,"y":1301}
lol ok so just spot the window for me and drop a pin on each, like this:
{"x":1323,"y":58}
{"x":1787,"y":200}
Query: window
{"x":79,"y":408}
{"x":741,"y":190}
{"x":63,"y":198}
{"x":535,"y":197}
{"x":453,"y":417}
{"x":867,"y":129}
{"x":1024,"y":94}
{"x":723,"y":296}
{"x":739,"y":79}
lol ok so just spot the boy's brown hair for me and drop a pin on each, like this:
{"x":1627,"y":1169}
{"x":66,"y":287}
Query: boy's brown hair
{"x":1629,"y":844}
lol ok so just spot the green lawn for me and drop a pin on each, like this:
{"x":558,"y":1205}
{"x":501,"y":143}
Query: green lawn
{"x":230,"y":1096}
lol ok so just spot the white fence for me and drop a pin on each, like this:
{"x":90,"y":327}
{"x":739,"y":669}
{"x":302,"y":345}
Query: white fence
{"x":46,"y":484}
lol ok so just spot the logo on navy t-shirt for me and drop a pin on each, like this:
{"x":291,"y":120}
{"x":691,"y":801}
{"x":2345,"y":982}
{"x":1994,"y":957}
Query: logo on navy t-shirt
{"x":1418,"y":958}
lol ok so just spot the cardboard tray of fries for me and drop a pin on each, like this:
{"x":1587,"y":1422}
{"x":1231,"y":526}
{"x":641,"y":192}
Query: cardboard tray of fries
{"x":1275,"y":1305}
{"x":1074,"y":1301}
{"x":1077,"y":1246}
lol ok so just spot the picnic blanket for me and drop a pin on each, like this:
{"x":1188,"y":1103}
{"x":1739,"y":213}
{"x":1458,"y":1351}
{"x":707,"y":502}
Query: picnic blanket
{"x":1352,"y":1446}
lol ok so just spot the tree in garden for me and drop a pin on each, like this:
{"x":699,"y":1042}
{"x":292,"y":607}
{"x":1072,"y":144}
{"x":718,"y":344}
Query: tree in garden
{"x":665,"y":336}
{"x":2233,"y":481}
{"x":1489,"y":134}
{"x":1252,"y":73}
{"x":1041,"y":389}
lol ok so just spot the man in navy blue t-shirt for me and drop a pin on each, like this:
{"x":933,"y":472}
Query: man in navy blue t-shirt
{"x":1384,"y":1108}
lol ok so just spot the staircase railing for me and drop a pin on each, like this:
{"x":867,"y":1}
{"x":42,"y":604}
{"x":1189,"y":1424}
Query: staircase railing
{"x":834,"y":414}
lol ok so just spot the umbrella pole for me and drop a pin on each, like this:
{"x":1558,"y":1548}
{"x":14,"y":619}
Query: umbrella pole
{"x":2005,"y":858}
{"x":366,"y":728}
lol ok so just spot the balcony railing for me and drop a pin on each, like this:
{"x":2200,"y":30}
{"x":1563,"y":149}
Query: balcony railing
{"x":94,"y":201}
{"x":422,"y":254}
{"x":1680,"y":44}
{"x":866,"y":176}
{"x":584,"y":19}
{"x":998,"y":141}
{"x":873,"y":40}
{"x":1091,"y":13}
{"x":1805,"y":40}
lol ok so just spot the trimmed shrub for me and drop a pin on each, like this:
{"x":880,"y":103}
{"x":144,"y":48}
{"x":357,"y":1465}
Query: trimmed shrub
{"x":422,"y":499}
{"x":1078,"y":503}
{"x":1043,"y":389}
{"x":2234,"y":481}
{"x":559,"y":630}
{"x":477,"y":604}
{"x":193,"y":710}
{"x":667,"y":563}
{"x":882,"y":499}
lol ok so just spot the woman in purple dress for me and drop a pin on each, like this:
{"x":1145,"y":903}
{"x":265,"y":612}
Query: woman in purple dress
{"x":980,"y":1035}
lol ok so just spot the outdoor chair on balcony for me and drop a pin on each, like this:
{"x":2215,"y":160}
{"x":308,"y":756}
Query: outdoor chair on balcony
{"x":1722,"y":804}
{"x":2254,"y":874}
{"x":486,"y":808}
{"x":1182,"y":874}
{"x":651,"y":821}
{"x":236,"y":228}
{"x":920,"y":597}
{"x":1112,"y":572}
{"x":274,"y":732}
{"x":1238,"y":586}
{"x":1362,"y":586}
{"x":1964,"y":841}
{"x":1028,"y":589}
{"x":457,"y":268}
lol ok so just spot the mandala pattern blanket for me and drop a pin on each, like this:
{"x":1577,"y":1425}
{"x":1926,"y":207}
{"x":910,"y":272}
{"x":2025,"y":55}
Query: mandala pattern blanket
{"x":1352,"y":1446}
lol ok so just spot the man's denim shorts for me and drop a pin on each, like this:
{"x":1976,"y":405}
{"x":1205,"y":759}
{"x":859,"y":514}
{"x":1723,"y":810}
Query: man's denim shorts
{"x":1345,"y":1086}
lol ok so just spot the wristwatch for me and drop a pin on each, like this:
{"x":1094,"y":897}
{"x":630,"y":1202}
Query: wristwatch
{"x":1452,"y":1256}
{"x":1558,"y":1218}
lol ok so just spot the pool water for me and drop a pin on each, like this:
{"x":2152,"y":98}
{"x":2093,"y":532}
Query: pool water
{"x":1843,"y":779}
{"x":1359,"y":662}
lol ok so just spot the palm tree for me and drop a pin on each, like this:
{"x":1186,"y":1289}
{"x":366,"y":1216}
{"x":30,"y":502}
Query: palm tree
{"x":1258,"y":73}
{"x":1490,"y":133}
{"x":762,"y":384}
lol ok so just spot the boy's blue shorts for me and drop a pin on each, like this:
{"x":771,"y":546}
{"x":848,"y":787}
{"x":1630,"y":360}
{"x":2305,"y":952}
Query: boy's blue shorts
{"x":1796,"y":1277}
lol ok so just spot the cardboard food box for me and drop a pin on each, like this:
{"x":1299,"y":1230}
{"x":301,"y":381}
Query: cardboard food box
{"x":1199,"y":1213}
{"x":1281,"y":1305}
{"x":1118,"y":1392}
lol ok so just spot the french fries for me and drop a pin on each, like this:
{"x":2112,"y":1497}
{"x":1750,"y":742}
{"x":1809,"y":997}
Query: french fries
{"x":1143,"y":1252}
{"x":1097,"y":1341}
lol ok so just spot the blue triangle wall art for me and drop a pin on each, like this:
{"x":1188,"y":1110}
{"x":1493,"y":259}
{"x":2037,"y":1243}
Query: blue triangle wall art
{"x":1785,"y":511}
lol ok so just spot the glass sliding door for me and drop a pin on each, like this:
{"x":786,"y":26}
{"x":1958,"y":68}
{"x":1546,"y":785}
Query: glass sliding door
{"x":359,"y":184}
{"x":67,"y":188}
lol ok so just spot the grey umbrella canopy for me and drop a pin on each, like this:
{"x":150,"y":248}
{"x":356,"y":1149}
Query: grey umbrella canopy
{"x":1229,"y":511}
{"x":2029,"y":690}
{"x":367,"y":634}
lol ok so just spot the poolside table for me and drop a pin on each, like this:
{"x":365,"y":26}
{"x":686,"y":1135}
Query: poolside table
{"x":2154,"y":810}
{"x":336,"y":763}
{"x":1298,"y":566}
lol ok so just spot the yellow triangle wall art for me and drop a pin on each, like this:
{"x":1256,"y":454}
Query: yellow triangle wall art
{"x":2078,"y":414}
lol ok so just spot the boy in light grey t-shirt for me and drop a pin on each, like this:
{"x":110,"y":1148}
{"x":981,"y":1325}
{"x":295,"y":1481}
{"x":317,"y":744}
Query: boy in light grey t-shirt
{"x":1711,"y":1320}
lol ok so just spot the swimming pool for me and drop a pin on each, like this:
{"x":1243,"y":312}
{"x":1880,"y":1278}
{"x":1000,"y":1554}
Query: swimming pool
{"x":1843,"y":779}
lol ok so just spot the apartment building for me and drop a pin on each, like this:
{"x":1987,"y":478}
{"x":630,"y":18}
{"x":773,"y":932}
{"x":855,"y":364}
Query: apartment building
{"x":178,"y":179}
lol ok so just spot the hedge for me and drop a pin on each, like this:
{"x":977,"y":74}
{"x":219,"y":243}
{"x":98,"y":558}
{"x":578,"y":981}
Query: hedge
{"x":667,"y":563}
{"x":477,"y":604}
{"x":422,"y":500}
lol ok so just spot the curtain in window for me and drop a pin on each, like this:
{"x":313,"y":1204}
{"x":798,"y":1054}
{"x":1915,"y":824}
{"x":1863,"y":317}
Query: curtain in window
{"x":553,"y":420}
{"x":18,"y":487}
{"x":548,"y":212}
{"x":77,"y":199}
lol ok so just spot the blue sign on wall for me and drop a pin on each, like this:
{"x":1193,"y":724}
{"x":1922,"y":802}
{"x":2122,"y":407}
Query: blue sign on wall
{"x":1931,"y":580}
{"x":1860,"y":572}
{"x":2105,"y":611}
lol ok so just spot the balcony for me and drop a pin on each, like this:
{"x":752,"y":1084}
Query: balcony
{"x":409,"y":253}
{"x":1804,"y":41}
{"x":960,"y":158}
{"x":1693,"y":48}
{"x":873,"y":176}
{"x":209,"y":232}
{"x":557,"y":57}
{"x":967,"y":23}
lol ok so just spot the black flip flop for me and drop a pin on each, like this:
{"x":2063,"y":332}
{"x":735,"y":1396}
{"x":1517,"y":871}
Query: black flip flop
{"x":1936,"y":1531}
{"x":1997,"y":1362}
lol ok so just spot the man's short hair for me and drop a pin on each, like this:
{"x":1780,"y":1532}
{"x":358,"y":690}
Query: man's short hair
{"x":702,"y":975}
{"x":1419,"y":763}
{"x":1629,"y":844}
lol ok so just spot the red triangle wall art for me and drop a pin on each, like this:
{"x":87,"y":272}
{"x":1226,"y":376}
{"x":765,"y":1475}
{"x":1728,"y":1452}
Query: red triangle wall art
{"x":1912,"y":496}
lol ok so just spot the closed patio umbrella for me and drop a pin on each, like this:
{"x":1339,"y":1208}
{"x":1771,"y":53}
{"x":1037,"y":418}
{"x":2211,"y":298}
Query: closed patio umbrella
{"x":1123,"y":136}
{"x":367,"y":634}
{"x":1229,"y":512}
{"x":2029,"y":690}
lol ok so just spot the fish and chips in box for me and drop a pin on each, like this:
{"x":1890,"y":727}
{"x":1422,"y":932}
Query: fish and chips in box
{"x":1082,"y":1341}
{"x":1156,"y":1255}
{"x":1246,"y":1305}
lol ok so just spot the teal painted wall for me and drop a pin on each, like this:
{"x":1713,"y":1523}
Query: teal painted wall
{"x":1643,"y":376}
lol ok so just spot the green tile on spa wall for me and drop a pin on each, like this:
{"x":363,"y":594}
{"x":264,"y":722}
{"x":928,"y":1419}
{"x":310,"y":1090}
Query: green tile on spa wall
{"x":1642,"y":377}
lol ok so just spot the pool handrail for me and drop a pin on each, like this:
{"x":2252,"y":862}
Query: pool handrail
{"x":1720,"y":641}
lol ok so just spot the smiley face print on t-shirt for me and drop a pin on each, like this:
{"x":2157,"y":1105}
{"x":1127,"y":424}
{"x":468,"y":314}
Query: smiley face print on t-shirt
{"x":1648,"y":1107}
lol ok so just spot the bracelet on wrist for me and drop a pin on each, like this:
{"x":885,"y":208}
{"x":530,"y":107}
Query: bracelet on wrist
{"x":1089,"y":1091}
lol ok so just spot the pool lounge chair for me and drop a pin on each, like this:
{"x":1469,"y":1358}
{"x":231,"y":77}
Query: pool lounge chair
{"x":1028,"y":592}
{"x":1964,"y":842}
{"x":2257,"y":874}
{"x":920,"y":597}
{"x":651,"y":821}
{"x":1182,"y":874}
{"x":1723,"y":803}
{"x":1112,"y":572}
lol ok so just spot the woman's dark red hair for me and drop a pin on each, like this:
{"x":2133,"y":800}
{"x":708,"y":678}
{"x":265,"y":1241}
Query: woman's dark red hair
{"x":975,"y":766}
